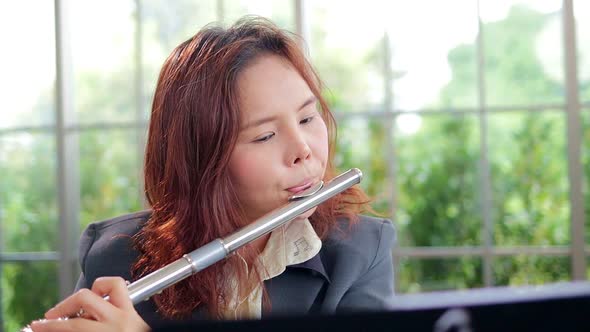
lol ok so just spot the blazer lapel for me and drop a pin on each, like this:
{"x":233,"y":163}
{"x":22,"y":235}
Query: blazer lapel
{"x":297,"y":289}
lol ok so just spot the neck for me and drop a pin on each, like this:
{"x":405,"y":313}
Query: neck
{"x":260,"y":243}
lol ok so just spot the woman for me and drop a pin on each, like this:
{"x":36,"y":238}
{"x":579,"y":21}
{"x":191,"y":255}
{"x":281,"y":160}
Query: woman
{"x":238,"y":125}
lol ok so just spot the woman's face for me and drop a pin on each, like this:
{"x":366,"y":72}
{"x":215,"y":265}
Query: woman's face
{"x":282,"y":147}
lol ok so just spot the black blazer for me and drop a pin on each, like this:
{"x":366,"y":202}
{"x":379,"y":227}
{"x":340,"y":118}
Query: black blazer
{"x":352,"y":272}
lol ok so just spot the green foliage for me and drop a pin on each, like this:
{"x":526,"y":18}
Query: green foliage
{"x":109,"y":175}
{"x":438,"y":184}
{"x":438,"y":167}
{"x":29,"y":223}
{"x":514,"y":74}
{"x":532,"y":190}
{"x":360,"y":144}
{"x":530,"y":270}
{"x":32,"y":289}
{"x":109,"y":185}
{"x":440,"y":274}
{"x":439,"y":202}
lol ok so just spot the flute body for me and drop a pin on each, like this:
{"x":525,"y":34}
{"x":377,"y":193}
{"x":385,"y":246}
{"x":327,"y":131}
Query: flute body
{"x":219,"y":249}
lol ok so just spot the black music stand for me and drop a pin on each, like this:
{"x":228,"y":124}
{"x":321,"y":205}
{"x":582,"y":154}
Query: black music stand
{"x":555,"y":307}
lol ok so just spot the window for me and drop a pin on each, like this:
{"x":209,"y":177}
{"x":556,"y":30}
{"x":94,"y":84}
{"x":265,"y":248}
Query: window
{"x":457,"y":112}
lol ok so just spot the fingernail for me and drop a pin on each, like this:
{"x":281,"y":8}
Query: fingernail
{"x":48,"y":311}
{"x":38,"y":321}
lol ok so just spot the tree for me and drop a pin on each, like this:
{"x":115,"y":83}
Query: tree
{"x":439,"y":187}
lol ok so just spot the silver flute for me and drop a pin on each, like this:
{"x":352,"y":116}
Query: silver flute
{"x":219,"y":249}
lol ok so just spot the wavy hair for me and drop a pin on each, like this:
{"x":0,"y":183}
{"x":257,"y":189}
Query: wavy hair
{"x":193,"y":128}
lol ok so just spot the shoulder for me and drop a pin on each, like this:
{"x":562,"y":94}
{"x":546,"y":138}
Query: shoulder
{"x":361,"y":243}
{"x":366,"y":231}
{"x":128,"y":224}
{"x":105,"y":233}
{"x":106,"y":247}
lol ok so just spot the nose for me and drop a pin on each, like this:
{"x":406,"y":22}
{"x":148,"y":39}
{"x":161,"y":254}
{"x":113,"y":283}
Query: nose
{"x":300,"y":150}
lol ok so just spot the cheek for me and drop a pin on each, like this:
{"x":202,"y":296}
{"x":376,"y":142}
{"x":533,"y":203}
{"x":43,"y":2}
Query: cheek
{"x":321,"y":143}
{"x":247,"y":169}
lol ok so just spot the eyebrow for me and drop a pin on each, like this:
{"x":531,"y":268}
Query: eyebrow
{"x":272,"y":118}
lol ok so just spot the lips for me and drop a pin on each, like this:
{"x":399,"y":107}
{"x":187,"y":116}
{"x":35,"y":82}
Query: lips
{"x":305,"y":184}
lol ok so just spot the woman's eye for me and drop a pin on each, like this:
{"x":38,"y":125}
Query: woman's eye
{"x":306,"y":120}
{"x":264,"y":138}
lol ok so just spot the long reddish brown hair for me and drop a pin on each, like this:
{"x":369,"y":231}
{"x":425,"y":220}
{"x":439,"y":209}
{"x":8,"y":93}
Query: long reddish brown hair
{"x":193,"y":129}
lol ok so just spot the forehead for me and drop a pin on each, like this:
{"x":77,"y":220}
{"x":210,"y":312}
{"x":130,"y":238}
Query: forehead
{"x":270,"y":84}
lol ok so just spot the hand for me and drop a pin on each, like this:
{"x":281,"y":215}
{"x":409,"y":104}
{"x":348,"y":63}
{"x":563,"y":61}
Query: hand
{"x":117,"y":314}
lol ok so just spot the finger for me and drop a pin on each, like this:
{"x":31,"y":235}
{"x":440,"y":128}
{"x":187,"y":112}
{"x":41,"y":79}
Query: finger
{"x":116,"y":289}
{"x":92,"y":304}
{"x":70,"y":325}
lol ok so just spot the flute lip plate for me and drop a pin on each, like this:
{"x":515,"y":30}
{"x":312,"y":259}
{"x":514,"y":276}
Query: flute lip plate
{"x":308,"y":192}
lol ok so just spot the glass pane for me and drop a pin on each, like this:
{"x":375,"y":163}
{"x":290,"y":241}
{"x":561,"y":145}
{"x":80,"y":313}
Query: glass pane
{"x":103,"y":60}
{"x":582,"y":14}
{"x":29,"y":289}
{"x":585,"y":115}
{"x":28,"y":63}
{"x":530,"y":270}
{"x":166,"y":24}
{"x":28,"y":198}
{"x":109,"y":174}
{"x":434,"y":274}
{"x":437,"y":179}
{"x":281,"y":12}
{"x":433,"y":67}
{"x":528,"y":162}
{"x":361,"y":144}
{"x":523,"y":54}
{"x":349,"y":56}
